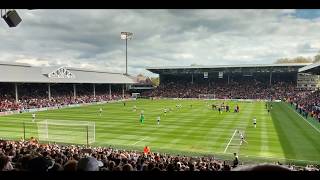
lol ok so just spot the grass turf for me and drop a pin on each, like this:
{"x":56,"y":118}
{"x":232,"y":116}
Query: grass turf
{"x":281,"y":135}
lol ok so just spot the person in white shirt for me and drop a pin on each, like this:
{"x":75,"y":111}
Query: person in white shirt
{"x":100,"y":111}
{"x":242,"y":139}
{"x":33,"y":117}
{"x":254,"y":122}
{"x":158,"y":120}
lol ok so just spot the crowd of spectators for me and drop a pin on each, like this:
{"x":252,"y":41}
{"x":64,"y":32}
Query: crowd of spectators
{"x":36,"y":95}
{"x":29,"y":155}
{"x":8,"y":103}
{"x":307,"y":104}
{"x":233,"y":90}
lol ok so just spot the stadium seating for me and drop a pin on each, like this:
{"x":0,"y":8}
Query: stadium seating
{"x":35,"y":97}
{"x":29,"y":155}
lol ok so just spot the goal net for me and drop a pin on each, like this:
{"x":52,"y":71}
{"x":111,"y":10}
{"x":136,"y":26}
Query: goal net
{"x":66,"y":131}
{"x":207,"y":96}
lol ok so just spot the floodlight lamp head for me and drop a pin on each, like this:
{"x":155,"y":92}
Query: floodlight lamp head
{"x":11,"y":17}
{"x":126,"y":35}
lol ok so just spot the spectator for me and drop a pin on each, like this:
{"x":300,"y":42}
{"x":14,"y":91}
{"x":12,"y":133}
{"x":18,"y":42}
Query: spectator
{"x":88,"y":164}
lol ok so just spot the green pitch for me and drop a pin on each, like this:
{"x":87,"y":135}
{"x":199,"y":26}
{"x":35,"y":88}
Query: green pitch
{"x":281,"y":135}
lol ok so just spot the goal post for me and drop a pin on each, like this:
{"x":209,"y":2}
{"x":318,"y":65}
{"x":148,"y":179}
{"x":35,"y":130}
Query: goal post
{"x":66,"y":131}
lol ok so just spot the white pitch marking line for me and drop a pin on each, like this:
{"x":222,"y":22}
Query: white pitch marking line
{"x":230,"y":141}
{"x":140,"y":140}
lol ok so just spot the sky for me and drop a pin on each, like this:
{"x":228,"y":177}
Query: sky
{"x":91,"y":38}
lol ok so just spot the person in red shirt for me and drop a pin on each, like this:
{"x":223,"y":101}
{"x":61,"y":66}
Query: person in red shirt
{"x":146,"y":150}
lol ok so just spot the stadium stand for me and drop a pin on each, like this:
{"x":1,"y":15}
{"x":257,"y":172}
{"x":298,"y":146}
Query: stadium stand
{"x":25,"y":87}
{"x":31,"y":156}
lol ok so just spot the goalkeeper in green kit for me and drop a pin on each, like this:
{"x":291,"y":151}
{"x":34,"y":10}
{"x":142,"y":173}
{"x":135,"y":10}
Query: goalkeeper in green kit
{"x":141,"y":117}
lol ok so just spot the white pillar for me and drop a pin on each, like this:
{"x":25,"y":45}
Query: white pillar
{"x":110,"y":91}
{"x":49,"y":91}
{"x":16,"y":91}
{"x":94,"y":90}
{"x":123,"y":91}
{"x":74,"y":91}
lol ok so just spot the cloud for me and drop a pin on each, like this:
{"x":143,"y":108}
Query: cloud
{"x":91,"y":38}
{"x":34,"y":62}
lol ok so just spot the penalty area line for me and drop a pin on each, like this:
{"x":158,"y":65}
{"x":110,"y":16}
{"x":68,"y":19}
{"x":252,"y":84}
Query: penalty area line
{"x":140,"y":140}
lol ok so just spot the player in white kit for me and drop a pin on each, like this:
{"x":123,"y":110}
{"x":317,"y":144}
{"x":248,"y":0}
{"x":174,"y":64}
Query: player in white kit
{"x":158,"y":120}
{"x":33,"y":117}
{"x":100,"y":111}
{"x":254,"y":122}
{"x":242,"y":139}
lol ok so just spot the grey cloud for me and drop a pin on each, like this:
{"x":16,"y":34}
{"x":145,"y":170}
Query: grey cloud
{"x":161,"y":37}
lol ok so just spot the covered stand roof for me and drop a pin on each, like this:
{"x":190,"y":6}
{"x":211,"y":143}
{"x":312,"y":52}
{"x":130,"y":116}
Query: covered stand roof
{"x":229,"y":68}
{"x":17,"y":72}
{"x":312,"y":69}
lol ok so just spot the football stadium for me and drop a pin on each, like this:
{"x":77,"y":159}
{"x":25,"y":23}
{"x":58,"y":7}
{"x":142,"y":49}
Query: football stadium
{"x":195,"y":111}
{"x":199,"y":118}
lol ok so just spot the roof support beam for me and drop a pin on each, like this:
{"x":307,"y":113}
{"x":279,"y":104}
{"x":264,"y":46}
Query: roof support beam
{"x":49,"y":91}
{"x":270,"y":78}
{"x":16,"y":91}
{"x":123,"y":91}
{"x":74,"y":91}
{"x":94,"y":90}
{"x":110,"y":91}
{"x":192,"y":78}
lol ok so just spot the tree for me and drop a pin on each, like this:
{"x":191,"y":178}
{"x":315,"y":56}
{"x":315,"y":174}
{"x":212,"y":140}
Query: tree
{"x":282,"y":61}
{"x":317,"y":58}
{"x":155,"y":81}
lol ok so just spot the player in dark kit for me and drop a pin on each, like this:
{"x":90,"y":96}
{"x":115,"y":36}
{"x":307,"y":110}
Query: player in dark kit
{"x":227,"y":108}
{"x":124,"y":103}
